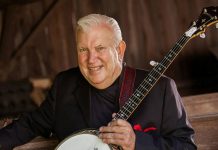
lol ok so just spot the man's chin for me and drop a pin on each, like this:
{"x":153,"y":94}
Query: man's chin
{"x":97,"y":84}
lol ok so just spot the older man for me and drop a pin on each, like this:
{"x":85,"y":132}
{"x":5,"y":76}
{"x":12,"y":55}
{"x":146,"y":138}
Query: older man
{"x":87,"y":96}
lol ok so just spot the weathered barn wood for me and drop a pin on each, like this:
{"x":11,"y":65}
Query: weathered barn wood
{"x":203,"y":114}
{"x":206,"y":132}
{"x":37,"y":39}
{"x":39,"y":143}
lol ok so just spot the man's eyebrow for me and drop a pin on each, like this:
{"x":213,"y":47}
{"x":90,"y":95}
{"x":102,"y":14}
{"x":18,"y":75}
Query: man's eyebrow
{"x":99,"y":45}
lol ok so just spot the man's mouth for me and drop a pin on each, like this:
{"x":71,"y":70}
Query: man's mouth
{"x":95,"y":68}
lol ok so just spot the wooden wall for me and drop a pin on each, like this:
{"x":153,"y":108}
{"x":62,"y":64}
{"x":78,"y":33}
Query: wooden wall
{"x":37,"y":38}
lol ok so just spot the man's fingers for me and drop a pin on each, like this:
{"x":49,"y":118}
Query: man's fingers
{"x":118,"y":132}
{"x":113,"y":141}
{"x":115,"y":129}
{"x":119,"y":122}
{"x":117,"y":139}
{"x":112,"y":136}
{"x":113,"y":115}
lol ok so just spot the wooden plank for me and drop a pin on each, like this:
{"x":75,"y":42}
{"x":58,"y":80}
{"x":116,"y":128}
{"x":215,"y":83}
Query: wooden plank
{"x":1,"y":24}
{"x":40,"y":85}
{"x":39,"y":143}
{"x":36,"y":28}
{"x":206,"y":131}
{"x":203,"y":115}
{"x":203,"y":104}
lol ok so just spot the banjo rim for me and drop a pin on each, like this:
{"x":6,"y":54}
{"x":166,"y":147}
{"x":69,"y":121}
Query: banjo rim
{"x":86,"y":131}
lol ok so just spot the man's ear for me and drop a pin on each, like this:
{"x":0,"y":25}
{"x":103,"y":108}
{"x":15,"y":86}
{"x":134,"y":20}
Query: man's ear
{"x":121,"y":49}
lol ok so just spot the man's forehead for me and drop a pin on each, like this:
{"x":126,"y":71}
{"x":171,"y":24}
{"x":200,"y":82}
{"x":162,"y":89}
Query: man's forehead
{"x":95,"y":42}
{"x":98,"y":34}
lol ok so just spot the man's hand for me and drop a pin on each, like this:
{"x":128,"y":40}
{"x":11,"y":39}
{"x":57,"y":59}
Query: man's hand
{"x":119,"y":132}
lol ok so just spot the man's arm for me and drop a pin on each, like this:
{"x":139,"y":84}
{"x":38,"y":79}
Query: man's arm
{"x":30,"y":125}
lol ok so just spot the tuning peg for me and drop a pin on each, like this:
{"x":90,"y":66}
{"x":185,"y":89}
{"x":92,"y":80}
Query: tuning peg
{"x":153,"y":63}
{"x":202,"y":35}
{"x":193,"y":23}
{"x":217,"y":25}
{"x":205,"y":10}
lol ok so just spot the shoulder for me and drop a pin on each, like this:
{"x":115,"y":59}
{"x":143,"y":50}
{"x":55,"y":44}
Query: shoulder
{"x":72,"y":72}
{"x":141,"y":74}
{"x":70,"y":76}
{"x":163,"y":84}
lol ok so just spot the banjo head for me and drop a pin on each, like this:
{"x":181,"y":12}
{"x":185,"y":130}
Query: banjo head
{"x":84,"y":140}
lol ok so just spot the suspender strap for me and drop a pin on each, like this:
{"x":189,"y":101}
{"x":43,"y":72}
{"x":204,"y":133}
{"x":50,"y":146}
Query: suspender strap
{"x":127,"y":85}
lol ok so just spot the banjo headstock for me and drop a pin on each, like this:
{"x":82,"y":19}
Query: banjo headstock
{"x":208,"y":17}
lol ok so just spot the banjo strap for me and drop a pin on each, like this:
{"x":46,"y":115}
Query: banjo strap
{"x":127,"y":85}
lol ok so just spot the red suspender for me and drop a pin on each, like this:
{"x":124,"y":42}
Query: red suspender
{"x":127,"y":85}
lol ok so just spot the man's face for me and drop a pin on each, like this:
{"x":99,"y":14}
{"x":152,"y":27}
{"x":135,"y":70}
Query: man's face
{"x":99,"y":59}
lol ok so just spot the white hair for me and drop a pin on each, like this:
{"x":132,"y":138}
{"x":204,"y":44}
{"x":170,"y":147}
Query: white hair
{"x":87,"y":22}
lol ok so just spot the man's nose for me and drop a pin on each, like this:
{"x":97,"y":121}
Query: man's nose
{"x":92,"y":57}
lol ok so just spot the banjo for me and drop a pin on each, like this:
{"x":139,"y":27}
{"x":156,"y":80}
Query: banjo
{"x":88,"y":139}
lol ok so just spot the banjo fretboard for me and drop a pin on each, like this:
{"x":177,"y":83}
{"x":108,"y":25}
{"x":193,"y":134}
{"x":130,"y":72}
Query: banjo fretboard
{"x":153,"y":76}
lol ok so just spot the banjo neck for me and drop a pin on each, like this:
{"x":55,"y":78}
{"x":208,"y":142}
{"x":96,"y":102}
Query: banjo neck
{"x":150,"y":80}
{"x":208,"y":16}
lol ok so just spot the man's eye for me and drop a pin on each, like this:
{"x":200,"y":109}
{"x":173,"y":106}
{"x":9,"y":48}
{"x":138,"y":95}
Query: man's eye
{"x":83,"y":49}
{"x":100,"y":48}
